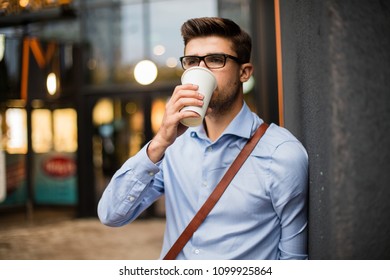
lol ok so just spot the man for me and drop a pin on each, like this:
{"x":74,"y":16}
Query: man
{"x":262,"y":214}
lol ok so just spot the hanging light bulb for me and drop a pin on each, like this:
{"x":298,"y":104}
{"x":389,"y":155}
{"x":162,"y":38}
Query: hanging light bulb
{"x":51,"y":83}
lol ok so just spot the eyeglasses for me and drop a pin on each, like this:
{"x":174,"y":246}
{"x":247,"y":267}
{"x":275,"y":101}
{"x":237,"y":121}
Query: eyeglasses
{"x":212,"y":61}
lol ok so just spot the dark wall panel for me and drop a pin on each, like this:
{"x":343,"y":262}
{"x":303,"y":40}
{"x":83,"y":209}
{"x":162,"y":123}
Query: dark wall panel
{"x":336,"y":69}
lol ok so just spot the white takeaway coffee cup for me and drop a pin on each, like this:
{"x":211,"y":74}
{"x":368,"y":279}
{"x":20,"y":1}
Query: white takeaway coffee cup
{"x":206,"y":82}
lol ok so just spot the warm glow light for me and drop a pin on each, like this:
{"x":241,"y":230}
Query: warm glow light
{"x":51,"y":83}
{"x":16,"y":120}
{"x":248,"y":85}
{"x":159,"y":50}
{"x":42,"y":134}
{"x":145,"y":72}
{"x":24,"y":3}
{"x":103,"y":112}
{"x":2,"y":46}
{"x":65,"y":130}
{"x":171,"y":62}
{"x":158,"y":109}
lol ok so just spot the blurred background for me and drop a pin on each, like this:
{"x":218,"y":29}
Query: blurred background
{"x":83,"y":86}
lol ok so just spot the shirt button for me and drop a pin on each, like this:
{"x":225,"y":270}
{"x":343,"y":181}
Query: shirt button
{"x":209,"y":149}
{"x":151,"y":173}
{"x":131,"y":198}
{"x":196,"y":251}
{"x":193,"y":134}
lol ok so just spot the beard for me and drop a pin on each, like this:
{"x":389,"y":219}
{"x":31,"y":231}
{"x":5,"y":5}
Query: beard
{"x":222,"y":101}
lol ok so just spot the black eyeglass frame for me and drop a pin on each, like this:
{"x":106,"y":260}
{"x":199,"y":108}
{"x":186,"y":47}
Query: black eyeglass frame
{"x":202,"y":58}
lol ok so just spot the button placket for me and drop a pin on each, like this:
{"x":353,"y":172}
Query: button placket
{"x":205,"y":168}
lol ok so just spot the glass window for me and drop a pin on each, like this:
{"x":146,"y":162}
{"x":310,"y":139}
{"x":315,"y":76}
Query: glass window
{"x":16,"y":122}
{"x":122,"y":34}
{"x":54,"y":130}
{"x":42,"y":135}
{"x":65,"y":130}
{"x":131,"y":38}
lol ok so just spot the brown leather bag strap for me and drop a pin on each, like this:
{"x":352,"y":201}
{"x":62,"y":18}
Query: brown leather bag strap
{"x":216,"y":194}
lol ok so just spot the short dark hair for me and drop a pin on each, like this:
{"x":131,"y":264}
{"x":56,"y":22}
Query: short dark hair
{"x":222,"y":27}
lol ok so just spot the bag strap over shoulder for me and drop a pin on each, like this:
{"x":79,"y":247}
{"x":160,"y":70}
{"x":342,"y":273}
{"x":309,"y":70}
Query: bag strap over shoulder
{"x":216,"y":194}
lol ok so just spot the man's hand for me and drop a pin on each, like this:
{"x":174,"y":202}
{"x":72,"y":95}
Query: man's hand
{"x":171,"y":128}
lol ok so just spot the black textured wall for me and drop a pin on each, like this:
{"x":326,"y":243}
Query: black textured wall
{"x":336,"y":77}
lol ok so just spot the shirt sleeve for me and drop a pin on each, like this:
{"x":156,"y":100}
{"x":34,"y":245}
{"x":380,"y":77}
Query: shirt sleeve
{"x":289,"y":184}
{"x":132,"y":189}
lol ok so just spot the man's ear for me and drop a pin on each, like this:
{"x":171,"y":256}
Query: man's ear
{"x":246,"y":72}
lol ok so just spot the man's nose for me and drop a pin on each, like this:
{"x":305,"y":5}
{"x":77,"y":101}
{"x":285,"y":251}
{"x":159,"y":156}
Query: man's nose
{"x":202,"y":63}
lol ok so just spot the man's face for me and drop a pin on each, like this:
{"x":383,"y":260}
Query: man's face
{"x":229,"y":85}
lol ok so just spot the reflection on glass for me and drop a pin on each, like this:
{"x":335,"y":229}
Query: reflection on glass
{"x":123,"y":34}
{"x":65,"y":130}
{"x":42,"y":136}
{"x":16,"y":121}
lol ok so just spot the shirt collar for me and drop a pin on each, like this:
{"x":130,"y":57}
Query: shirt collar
{"x":240,"y":126}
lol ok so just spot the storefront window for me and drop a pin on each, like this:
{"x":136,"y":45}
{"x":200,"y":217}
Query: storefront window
{"x":16,"y":135}
{"x":54,"y":144}
{"x":13,"y":149}
{"x":42,"y":135}
{"x":54,"y":130}
{"x":65,"y":130}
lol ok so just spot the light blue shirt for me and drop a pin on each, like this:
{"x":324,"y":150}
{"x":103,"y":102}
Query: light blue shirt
{"x":261,"y":215}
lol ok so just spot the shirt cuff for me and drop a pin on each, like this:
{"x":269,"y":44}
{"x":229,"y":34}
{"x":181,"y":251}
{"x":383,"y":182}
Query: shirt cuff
{"x":141,"y":166}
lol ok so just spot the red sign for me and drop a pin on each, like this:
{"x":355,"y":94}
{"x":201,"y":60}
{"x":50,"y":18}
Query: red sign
{"x":59,"y":166}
